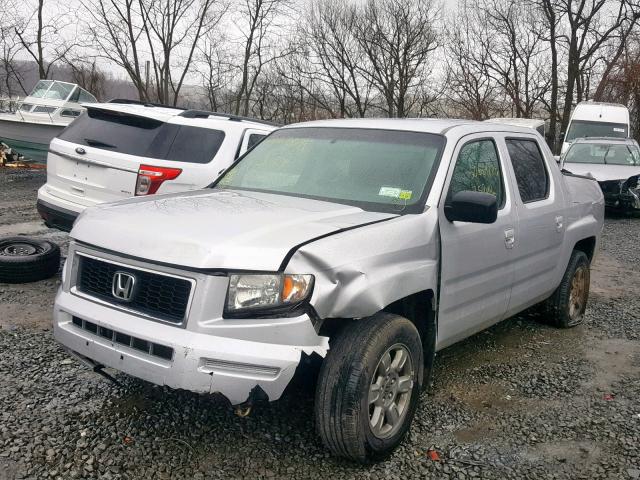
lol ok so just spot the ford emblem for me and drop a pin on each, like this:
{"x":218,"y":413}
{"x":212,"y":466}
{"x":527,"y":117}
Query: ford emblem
{"x":81,"y":150}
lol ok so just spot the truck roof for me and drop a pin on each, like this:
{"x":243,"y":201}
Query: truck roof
{"x":525,"y":122}
{"x":427,"y":125}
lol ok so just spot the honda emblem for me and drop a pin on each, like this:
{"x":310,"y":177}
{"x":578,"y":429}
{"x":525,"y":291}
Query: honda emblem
{"x":123,"y":286}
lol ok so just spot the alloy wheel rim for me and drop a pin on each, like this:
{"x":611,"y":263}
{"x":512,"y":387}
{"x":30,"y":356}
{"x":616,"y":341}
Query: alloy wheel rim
{"x":390,"y":391}
{"x":577,"y":300}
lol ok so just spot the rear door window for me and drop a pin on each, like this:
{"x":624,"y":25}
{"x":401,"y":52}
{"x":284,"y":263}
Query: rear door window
{"x":530,"y":171}
{"x":143,"y":137}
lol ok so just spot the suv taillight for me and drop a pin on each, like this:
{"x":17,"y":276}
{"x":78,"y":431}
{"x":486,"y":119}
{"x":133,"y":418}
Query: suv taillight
{"x":150,"y":178}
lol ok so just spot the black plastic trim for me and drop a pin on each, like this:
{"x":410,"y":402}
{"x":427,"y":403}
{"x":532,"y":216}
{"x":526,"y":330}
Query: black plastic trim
{"x":568,"y":173}
{"x":128,"y":101}
{"x":233,"y":118}
{"x":56,"y":217}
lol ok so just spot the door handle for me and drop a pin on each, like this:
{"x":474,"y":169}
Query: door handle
{"x":559,"y":223}
{"x":509,"y":238}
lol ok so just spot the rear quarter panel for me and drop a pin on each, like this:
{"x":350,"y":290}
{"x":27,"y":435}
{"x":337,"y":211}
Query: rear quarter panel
{"x":584,"y":215}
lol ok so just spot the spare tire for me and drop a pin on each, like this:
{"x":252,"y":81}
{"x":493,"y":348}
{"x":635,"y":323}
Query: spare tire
{"x":24,"y":259}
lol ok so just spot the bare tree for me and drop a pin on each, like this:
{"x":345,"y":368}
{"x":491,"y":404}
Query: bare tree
{"x":471,"y":91}
{"x":166,"y":31}
{"x":173,"y":29}
{"x":258,"y":23}
{"x":621,"y":84}
{"x":115,"y":29}
{"x":86,"y":73}
{"x":549,"y":9}
{"x":332,"y":61}
{"x":40,"y":35}
{"x":11,"y":76}
{"x":590,"y":24}
{"x":397,"y":38}
{"x":216,"y":72}
{"x":517,"y":54}
{"x":611,"y":56}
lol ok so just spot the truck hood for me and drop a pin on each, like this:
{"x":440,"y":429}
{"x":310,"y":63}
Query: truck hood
{"x":215,"y":228}
{"x":603,"y":173}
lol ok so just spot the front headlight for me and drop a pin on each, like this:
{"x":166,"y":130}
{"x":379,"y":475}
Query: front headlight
{"x":250,"y":292}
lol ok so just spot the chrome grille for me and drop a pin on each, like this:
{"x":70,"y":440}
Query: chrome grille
{"x":156,"y":295}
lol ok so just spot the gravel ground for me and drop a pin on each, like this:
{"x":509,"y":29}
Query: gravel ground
{"x":520,"y":400}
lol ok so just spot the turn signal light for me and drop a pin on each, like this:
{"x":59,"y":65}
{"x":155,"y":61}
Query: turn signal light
{"x":150,"y":178}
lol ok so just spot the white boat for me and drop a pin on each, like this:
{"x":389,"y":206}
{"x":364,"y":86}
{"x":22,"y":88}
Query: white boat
{"x":49,"y":108}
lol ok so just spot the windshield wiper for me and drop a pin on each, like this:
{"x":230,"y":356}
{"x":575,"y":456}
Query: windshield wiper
{"x":97,"y":143}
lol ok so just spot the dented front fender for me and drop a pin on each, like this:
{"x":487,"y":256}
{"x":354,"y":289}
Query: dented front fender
{"x":361,"y":271}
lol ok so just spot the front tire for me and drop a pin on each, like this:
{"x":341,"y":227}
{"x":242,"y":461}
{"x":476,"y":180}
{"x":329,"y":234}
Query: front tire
{"x":566,"y":307}
{"x":369,"y":387}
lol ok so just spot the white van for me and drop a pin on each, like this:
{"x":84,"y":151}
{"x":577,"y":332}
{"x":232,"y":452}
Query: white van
{"x":126,"y":148}
{"x":597,"y":119}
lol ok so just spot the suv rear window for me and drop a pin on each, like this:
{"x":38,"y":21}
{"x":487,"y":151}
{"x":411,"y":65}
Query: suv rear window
{"x":143,"y":137}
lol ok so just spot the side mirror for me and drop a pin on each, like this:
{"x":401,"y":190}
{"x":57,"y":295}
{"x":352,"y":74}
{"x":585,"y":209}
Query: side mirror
{"x":474,"y":207}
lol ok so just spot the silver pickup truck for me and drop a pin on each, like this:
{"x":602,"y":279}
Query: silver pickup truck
{"x":370,"y":244}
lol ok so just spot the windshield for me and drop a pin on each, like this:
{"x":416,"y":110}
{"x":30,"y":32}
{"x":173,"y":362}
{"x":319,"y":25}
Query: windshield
{"x":41,"y":88}
{"x":52,"y":90}
{"x":584,"y":129}
{"x":603,"y":154}
{"x":379,"y":170}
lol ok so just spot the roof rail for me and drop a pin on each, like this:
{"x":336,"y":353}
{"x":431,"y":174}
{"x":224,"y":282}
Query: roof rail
{"x":233,"y":118}
{"x":128,"y":101}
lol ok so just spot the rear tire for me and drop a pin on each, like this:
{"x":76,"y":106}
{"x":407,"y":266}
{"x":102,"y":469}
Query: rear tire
{"x":565,"y":308}
{"x":24,"y":259}
{"x":369,"y":387}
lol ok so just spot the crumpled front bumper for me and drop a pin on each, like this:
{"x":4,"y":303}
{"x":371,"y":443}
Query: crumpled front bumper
{"x":200,"y":362}
{"x":628,"y":200}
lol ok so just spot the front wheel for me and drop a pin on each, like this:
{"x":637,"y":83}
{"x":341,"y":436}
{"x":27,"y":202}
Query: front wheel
{"x":369,"y":387}
{"x":566,"y":307}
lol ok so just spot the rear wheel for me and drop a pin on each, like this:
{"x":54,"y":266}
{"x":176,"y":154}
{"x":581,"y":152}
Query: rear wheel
{"x":24,"y":259}
{"x":369,"y":387}
{"x":566,"y":307}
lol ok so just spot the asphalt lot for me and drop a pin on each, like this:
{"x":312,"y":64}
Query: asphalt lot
{"x":521,"y":400}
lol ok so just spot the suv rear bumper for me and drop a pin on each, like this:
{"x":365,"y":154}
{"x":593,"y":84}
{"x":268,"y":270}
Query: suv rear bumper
{"x":56,"y":212}
{"x":56,"y":217}
{"x":199,"y":362}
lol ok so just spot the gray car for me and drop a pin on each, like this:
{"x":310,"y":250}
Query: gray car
{"x":368,"y":244}
{"x":614,"y":163}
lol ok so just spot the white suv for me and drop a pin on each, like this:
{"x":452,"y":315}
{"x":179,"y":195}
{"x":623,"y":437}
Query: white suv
{"x":125,"y":148}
